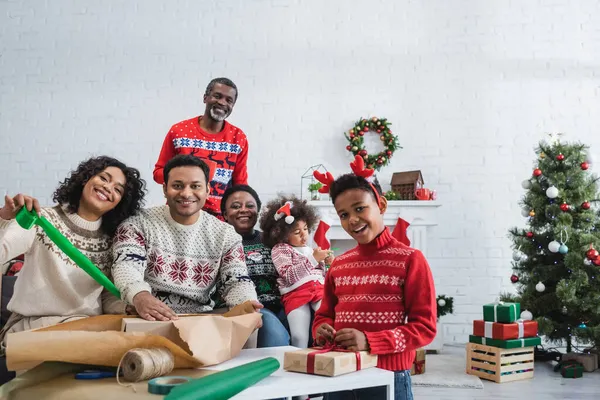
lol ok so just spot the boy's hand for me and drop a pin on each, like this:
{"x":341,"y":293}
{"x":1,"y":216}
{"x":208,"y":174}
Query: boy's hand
{"x":320,"y":254}
{"x":351,"y":339}
{"x":325,"y":333}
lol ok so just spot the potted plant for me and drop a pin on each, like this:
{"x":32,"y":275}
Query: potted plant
{"x":391,"y":195}
{"x":313,"y":188}
{"x":445,"y":305}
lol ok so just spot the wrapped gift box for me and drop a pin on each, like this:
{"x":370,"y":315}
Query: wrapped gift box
{"x":327,"y":363}
{"x":495,"y":330}
{"x":506,"y":344}
{"x":418,"y":366}
{"x":501,"y":312}
{"x":571,"y":369}
{"x":588,"y":360}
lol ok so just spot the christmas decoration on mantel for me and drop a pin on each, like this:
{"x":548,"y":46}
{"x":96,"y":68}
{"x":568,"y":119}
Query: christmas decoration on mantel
{"x":356,"y":142}
{"x":445,"y":305}
{"x":555,"y":261}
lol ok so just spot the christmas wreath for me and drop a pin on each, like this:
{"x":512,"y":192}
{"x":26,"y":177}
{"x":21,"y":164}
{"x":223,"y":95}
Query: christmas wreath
{"x":356,"y":146}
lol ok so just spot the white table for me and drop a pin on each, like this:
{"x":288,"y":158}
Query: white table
{"x":279,"y":384}
{"x":287,"y":384}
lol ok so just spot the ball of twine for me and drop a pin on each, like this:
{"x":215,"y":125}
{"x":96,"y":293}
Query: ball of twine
{"x":143,"y":364}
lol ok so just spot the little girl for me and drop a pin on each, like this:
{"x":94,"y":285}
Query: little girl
{"x":286,"y":224}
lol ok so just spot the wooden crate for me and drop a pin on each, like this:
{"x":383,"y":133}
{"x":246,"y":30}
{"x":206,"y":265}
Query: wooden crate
{"x":499,"y":365}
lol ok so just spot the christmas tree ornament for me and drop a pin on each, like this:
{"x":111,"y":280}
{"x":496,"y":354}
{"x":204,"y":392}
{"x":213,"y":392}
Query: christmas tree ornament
{"x":524,"y":257}
{"x":514,"y":278}
{"x":560,"y":157}
{"x":526,"y":184}
{"x":527,"y":315}
{"x":582,"y":325}
{"x":537,"y":172}
{"x":532,"y":213}
{"x":554,"y":246}
{"x":529,"y":235}
{"x":584,"y":166}
{"x":516,"y":255}
{"x":525,"y":212}
{"x":563,"y":249}
{"x":596,"y":261}
{"x":542,"y":155}
{"x":586,"y":205}
{"x":540,"y":287}
{"x":564,"y":207}
{"x":587,"y":262}
{"x":552,"y":192}
{"x":592,"y":253}
{"x":441,"y":302}
{"x":564,"y":310}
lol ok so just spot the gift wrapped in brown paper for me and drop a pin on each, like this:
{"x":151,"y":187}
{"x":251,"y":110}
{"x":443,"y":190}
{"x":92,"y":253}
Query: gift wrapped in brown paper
{"x":320,"y":361}
{"x":588,"y":360}
{"x":195,"y":340}
{"x":418,"y":366}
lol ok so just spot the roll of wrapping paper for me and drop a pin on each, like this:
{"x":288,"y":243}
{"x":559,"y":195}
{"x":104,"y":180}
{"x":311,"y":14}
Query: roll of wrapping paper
{"x":26,"y":219}
{"x":225,"y":384}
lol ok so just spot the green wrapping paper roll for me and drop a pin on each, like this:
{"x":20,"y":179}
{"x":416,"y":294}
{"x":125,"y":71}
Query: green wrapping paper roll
{"x":225,"y":384}
{"x":26,"y":219}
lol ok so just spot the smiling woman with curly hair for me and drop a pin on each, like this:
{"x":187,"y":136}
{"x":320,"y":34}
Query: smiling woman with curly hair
{"x":92,"y":201}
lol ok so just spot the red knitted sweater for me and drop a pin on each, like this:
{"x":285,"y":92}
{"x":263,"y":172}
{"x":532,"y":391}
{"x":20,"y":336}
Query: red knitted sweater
{"x":384,"y":289}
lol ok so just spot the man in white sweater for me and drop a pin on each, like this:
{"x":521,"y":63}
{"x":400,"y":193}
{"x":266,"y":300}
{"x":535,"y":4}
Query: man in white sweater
{"x":167,"y":259}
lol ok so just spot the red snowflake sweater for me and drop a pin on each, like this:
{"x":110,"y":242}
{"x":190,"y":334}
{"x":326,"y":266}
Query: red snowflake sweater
{"x":227,"y":151}
{"x":384,"y":289}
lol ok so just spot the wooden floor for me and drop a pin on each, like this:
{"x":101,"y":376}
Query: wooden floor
{"x":546,"y":384}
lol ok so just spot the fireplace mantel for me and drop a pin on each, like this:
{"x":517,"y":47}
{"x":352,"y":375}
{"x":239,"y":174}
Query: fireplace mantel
{"x":421,"y":215}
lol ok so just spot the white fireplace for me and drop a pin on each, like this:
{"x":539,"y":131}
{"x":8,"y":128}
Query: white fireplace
{"x":421,"y":215}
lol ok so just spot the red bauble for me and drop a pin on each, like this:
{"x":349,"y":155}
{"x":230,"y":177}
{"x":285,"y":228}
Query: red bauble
{"x":363,"y":153}
{"x":592,"y":254}
{"x":564,"y":207}
{"x":586,"y":205}
{"x":380,"y":161}
{"x":596,"y":261}
{"x":389,"y":153}
{"x":514,"y":278}
{"x":361,"y":133}
{"x":537,"y":172}
{"x":529,"y":234}
{"x":366,"y":129}
{"x":352,"y":136}
{"x":390,"y":131}
{"x":349,"y":148}
{"x":560,"y":157}
{"x":378,"y":130}
{"x":584,"y":165}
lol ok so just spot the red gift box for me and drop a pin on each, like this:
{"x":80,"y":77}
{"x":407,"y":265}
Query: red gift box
{"x":497,"y":330}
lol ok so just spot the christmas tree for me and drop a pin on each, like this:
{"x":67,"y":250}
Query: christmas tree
{"x":555,"y":261}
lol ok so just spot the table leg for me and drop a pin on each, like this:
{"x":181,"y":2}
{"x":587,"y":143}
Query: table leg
{"x":390,"y":391}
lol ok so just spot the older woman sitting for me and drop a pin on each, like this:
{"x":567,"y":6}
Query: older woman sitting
{"x":240,"y":206}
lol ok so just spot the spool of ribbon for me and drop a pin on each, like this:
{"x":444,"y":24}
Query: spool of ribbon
{"x":26,"y":219}
{"x":225,"y":384}
{"x":165,"y":384}
{"x":310,"y":360}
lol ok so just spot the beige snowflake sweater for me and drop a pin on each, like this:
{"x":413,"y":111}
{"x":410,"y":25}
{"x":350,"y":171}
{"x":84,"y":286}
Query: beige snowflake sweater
{"x":180,"y":264}
{"x":50,"y":283}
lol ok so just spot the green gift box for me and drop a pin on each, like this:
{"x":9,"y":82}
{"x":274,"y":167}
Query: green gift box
{"x":501,"y":312}
{"x":571,"y":369}
{"x":506,"y":344}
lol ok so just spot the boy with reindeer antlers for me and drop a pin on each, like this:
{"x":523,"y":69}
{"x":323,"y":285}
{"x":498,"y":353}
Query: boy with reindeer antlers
{"x":286,"y":224}
{"x":379,"y":296}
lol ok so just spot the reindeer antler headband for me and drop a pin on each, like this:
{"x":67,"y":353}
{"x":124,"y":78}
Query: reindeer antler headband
{"x":358,"y":168}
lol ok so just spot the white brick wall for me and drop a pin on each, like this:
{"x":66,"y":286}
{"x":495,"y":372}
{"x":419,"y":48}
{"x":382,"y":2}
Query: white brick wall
{"x":470,"y":87}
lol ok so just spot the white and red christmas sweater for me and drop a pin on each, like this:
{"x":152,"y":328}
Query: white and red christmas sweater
{"x":227,"y":151}
{"x":295,"y":266}
{"x":384,"y":289}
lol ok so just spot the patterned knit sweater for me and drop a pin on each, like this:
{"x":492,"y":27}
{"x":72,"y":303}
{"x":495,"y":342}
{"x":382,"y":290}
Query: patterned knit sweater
{"x":384,"y":289}
{"x":295,"y":266}
{"x":180,"y":264}
{"x":226,"y":150}
{"x":50,"y":283}
{"x":261,"y":270}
